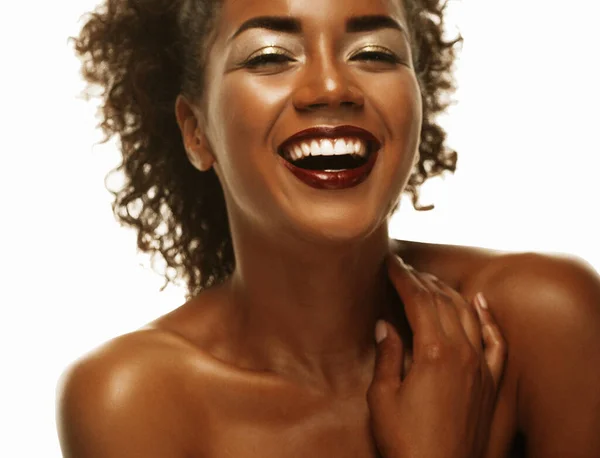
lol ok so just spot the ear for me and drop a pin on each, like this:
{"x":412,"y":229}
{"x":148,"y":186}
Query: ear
{"x":194,"y":139}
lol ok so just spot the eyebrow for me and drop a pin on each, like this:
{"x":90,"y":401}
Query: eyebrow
{"x":275,"y":23}
{"x":285,"y":24}
{"x":371,"y":23}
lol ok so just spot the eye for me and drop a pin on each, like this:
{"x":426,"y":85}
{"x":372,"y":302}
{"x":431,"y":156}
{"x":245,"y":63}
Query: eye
{"x":268,"y":57}
{"x":376,"y":54}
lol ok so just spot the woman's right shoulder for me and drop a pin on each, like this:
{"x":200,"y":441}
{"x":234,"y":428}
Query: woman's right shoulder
{"x":129,"y":356}
{"x":131,"y":397}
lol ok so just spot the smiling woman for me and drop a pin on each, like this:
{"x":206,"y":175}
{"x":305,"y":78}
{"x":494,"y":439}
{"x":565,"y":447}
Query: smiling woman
{"x":265,"y":145}
{"x":145,"y":53}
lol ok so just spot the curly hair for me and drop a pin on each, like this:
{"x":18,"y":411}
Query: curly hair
{"x":143,"y":54}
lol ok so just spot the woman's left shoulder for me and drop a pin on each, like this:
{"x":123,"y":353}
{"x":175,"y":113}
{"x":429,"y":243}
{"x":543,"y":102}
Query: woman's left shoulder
{"x":548,"y":308}
{"x":516,"y":283}
{"x":543,"y":291}
{"x":529,"y":293}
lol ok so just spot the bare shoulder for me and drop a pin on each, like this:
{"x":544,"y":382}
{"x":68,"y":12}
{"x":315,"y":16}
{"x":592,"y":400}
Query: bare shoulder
{"x":538,"y":292}
{"x":129,"y":397}
{"x":454,"y":264}
{"x":151,"y":392}
{"x":516,"y":284}
{"x":548,"y":308}
{"x":527,"y":292}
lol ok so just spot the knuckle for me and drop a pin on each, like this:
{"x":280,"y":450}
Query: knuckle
{"x":434,"y":352}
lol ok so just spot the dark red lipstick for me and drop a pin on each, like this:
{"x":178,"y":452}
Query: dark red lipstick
{"x":333,"y":179}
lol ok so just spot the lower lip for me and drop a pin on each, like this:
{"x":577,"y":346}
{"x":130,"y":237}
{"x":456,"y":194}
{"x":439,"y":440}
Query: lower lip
{"x":341,"y":179}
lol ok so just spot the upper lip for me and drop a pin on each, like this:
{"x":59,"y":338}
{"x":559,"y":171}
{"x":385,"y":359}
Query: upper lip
{"x":333,"y":132}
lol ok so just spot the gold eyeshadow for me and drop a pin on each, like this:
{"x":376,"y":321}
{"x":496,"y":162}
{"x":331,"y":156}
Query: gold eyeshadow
{"x":257,"y":42}
{"x":388,"y":40}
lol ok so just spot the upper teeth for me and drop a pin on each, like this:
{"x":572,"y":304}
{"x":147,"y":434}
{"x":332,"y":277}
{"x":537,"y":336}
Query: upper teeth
{"x":326,"y":147}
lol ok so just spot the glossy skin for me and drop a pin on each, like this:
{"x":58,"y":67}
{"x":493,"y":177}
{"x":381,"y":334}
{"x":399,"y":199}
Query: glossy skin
{"x":441,"y":403}
{"x":186,"y":386}
{"x":279,"y":359}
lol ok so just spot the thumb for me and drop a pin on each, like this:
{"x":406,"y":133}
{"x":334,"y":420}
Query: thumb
{"x":389,"y":359}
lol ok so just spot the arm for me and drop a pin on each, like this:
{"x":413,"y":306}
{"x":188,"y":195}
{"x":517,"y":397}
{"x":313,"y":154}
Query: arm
{"x":551,"y":310}
{"x":120,"y":402}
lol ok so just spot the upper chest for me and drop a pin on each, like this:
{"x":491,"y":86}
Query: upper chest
{"x":268,"y":427}
{"x":246,"y":425}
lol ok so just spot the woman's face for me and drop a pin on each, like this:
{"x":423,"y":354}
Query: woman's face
{"x":341,"y":68}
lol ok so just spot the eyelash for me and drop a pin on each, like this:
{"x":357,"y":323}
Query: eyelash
{"x":267,"y":58}
{"x":374,"y":55}
{"x":378,"y":56}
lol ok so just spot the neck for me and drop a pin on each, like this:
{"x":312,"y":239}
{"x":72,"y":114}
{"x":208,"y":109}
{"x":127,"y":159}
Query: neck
{"x":309,"y":311}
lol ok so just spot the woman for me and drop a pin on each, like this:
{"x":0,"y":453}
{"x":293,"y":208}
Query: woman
{"x":307,"y":332}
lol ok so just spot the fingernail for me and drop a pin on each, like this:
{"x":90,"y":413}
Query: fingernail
{"x":380,"y":331}
{"x":481,"y":301}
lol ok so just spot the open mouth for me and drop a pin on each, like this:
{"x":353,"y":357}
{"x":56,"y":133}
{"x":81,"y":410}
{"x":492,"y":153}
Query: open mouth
{"x":329,"y":154}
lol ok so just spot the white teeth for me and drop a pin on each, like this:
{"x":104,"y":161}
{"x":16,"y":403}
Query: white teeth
{"x":315,"y":148}
{"x":349,"y":147}
{"x":340,"y":146}
{"x":297,"y":152}
{"x":326,"y":147}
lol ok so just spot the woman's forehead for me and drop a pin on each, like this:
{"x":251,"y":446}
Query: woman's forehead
{"x":236,"y":12}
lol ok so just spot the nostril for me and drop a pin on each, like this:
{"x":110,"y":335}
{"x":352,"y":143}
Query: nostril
{"x":316,"y":106}
{"x":349,"y":104}
{"x":328,"y":104}
{"x":325,"y":92}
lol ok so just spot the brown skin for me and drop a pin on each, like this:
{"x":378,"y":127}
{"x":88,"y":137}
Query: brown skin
{"x":442,"y":403}
{"x":188,"y":385}
{"x":280,"y":358}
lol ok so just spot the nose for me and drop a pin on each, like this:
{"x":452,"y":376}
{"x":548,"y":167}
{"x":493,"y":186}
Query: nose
{"x":324,"y":85}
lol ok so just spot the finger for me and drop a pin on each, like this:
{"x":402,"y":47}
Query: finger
{"x":467,"y":314}
{"x":420,"y":311}
{"x":493,"y":342}
{"x":389,"y":357}
{"x":446,"y":307}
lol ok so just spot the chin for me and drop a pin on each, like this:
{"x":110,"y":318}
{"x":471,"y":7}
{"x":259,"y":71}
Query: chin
{"x":339,"y":226}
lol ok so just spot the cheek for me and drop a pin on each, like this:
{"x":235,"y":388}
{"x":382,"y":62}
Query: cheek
{"x":245,"y":111}
{"x":252,"y":105}
{"x":397,"y":98}
{"x":242,"y":115}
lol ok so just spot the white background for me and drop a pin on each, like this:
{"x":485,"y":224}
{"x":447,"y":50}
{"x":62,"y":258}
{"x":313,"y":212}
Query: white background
{"x":526,"y":128}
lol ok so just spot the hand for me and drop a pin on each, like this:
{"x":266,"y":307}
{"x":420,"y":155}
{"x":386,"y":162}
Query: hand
{"x":444,"y":405}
